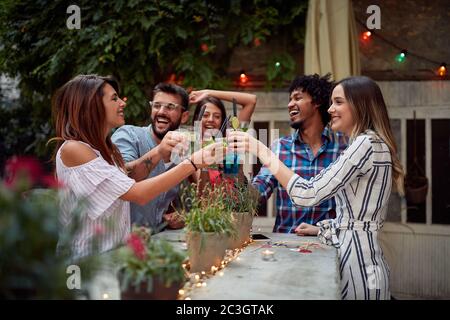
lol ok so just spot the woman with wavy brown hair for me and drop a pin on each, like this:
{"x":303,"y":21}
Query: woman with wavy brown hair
{"x":361,"y":180}
{"x":91,"y":168}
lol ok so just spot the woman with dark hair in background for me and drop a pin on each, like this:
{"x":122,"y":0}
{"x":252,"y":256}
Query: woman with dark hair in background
{"x":213,"y":119}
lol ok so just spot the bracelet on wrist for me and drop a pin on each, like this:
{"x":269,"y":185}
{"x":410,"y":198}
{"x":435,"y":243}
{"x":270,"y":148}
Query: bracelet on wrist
{"x":193,"y":164}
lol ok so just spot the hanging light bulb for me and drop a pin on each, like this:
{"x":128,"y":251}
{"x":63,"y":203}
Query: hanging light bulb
{"x":243,"y":78}
{"x":442,"y":71}
{"x":401,"y":57}
{"x":366,"y":35}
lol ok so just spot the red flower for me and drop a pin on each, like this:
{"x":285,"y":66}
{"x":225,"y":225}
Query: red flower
{"x":136,"y":244}
{"x":204,"y":47}
{"x":17,"y":168}
{"x":51,"y":182}
{"x":257,"y":42}
{"x":29,"y":170}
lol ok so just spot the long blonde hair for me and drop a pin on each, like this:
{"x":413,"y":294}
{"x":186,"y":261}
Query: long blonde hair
{"x":370,"y":112}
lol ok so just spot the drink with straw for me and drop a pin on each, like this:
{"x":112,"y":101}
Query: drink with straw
{"x":231,"y":160}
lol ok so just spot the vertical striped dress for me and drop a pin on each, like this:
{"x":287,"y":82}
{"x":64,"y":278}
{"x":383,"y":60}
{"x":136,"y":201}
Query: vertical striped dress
{"x":361,"y":181}
{"x":96,"y":187}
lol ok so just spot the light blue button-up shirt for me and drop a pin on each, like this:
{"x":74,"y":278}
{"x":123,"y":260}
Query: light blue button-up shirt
{"x":133,"y":142}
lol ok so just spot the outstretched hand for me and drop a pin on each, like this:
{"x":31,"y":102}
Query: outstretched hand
{"x":242,"y":142}
{"x":211,"y":154}
{"x":172,"y":141}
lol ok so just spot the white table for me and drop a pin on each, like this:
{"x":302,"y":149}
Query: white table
{"x":290,"y":275}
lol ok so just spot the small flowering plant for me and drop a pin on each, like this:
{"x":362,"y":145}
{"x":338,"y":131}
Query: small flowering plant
{"x":242,"y":198}
{"x":144,"y":259}
{"x":29,"y":206}
{"x":208,"y":212}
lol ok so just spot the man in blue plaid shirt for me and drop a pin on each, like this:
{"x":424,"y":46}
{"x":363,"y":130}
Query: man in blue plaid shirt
{"x":312,"y":147}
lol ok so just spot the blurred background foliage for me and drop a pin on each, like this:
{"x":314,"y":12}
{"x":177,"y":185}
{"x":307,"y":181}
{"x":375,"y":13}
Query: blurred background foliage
{"x":139,"y":42}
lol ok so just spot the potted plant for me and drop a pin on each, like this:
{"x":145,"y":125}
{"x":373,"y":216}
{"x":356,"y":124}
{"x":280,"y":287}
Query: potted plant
{"x":29,"y":265}
{"x":242,"y":200}
{"x":208,"y":225}
{"x":150,"y":269}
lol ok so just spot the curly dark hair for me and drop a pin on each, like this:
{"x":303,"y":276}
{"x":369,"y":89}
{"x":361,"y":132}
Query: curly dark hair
{"x":319,"y":88}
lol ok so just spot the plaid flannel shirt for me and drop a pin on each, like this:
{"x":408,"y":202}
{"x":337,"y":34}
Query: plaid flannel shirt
{"x":298,"y":156}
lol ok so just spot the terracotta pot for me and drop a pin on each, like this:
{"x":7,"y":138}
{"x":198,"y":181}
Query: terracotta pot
{"x":243,"y":223}
{"x":246,"y":227}
{"x":158,"y":291}
{"x":205,"y":250}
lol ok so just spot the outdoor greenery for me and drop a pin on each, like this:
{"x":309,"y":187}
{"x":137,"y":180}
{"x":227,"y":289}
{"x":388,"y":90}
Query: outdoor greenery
{"x":139,"y":42}
{"x":145,"y":258}
{"x":208,"y":212}
{"x":29,"y":231}
{"x":243,"y":198}
{"x":211,"y":210}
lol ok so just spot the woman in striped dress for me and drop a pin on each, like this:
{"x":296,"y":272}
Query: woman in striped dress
{"x":91,"y":168}
{"x":361,"y":180}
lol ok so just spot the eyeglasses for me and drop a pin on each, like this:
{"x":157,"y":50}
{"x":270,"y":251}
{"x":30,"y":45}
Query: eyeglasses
{"x":170,"y":106}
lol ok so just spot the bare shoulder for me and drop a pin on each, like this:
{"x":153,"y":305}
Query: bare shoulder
{"x":75,"y":153}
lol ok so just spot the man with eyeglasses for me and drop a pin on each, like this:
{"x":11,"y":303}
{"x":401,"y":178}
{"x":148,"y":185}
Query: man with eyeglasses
{"x":146,"y":151}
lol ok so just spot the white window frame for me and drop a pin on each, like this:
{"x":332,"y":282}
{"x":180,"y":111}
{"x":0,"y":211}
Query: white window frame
{"x":422,"y":113}
{"x":396,"y":113}
{"x":271,"y":117}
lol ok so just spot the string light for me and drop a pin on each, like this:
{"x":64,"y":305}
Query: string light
{"x":366,"y":35}
{"x":442,"y":71}
{"x":198,"y":280}
{"x":277,"y":64}
{"x":243,"y":78}
{"x":402,"y":55}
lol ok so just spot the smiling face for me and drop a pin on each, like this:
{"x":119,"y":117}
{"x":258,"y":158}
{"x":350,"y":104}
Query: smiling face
{"x":342,"y":119}
{"x":165,"y":120}
{"x":114,"y":108}
{"x":212,"y":119}
{"x":301,"y":108}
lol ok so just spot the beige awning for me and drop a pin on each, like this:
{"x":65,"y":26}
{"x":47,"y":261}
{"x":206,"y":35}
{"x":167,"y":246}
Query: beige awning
{"x":331,"y":42}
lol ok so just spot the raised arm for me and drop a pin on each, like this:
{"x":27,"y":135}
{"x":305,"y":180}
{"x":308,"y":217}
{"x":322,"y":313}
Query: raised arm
{"x":144,"y":191}
{"x":265,"y":182}
{"x":77,"y":154}
{"x":356,"y":160}
{"x":246,"y":100}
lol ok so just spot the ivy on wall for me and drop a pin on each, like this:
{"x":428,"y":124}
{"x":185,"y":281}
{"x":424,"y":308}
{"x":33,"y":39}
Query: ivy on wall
{"x":140,"y":42}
